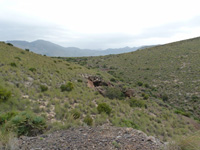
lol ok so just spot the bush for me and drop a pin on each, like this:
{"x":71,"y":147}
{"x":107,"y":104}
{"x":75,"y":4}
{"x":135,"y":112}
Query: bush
{"x":32,"y":69}
{"x":113,"y":80}
{"x":79,"y":80}
{"x":4,"y":94}
{"x":103,"y":107}
{"x":145,"y":96}
{"x":139,"y":83}
{"x":13,"y":64}
{"x":128,"y":123}
{"x":26,"y":124}
{"x":27,"y":50}
{"x":5,"y":117}
{"x":67,"y":87}
{"x":165,"y":98}
{"x":76,"y":114}
{"x":113,"y":93}
{"x":146,"y":85}
{"x":43,"y":88}
{"x":88,"y":120}
{"x":182,"y":112}
{"x":9,"y":44}
{"x":137,"y":103}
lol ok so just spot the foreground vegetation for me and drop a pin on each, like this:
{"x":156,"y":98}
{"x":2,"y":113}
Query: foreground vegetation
{"x":46,"y":94}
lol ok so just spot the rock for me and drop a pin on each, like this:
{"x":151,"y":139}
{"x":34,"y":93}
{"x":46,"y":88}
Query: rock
{"x":129,"y":93}
{"x":92,"y":139}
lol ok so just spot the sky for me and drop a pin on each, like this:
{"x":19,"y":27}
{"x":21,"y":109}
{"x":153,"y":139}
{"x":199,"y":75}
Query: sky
{"x":100,"y":24}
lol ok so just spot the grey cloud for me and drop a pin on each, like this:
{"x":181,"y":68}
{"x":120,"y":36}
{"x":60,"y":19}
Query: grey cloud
{"x":11,"y":30}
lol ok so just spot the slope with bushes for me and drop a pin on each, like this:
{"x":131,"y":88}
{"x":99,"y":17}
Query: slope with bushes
{"x":57,"y":91}
{"x":169,"y":73}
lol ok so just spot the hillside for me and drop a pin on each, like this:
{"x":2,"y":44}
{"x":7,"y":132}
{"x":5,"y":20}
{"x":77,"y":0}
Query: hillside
{"x":67,"y":95}
{"x":51,"y":49}
{"x":170,"y":73}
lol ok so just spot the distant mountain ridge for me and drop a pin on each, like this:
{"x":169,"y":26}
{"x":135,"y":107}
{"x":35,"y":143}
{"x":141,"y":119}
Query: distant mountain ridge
{"x":50,"y":49}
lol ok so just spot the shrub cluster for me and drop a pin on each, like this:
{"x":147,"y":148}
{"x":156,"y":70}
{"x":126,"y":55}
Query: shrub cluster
{"x":67,"y":87}
{"x":112,"y":93}
{"x":43,"y":88}
{"x":32,"y":69}
{"x":13,"y":64}
{"x":76,"y":114}
{"x":103,"y":107}
{"x":137,"y":103}
{"x":23,"y":123}
{"x":88,"y":120}
{"x":4,"y":94}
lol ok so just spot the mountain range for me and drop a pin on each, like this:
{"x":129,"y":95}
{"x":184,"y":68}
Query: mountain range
{"x":50,"y":49}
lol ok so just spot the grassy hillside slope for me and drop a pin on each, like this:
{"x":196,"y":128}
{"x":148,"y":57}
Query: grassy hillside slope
{"x":34,"y":82}
{"x":171,"y":71}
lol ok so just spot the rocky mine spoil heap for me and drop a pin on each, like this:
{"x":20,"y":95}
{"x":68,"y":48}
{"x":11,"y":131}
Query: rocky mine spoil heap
{"x":97,"y":138}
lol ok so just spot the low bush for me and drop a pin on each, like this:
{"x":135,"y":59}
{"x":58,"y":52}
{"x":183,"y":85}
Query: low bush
{"x":13,"y":64}
{"x":165,"y":97}
{"x":43,"y":88}
{"x":76,"y":114}
{"x":5,"y":117}
{"x":112,"y":93}
{"x":137,"y":103}
{"x":103,"y":107}
{"x":26,"y":124}
{"x":32,"y":69}
{"x":67,"y":87}
{"x":182,"y":112}
{"x":4,"y":94}
{"x":139,"y":83}
{"x":9,"y":44}
{"x":88,"y":120}
{"x":128,"y":123}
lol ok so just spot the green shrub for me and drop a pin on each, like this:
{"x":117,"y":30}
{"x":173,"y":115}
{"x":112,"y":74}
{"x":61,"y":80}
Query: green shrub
{"x":17,"y":58}
{"x":9,"y":44}
{"x":5,"y":117}
{"x":27,"y":50}
{"x":43,"y":88}
{"x":112,"y":93}
{"x":76,"y":114}
{"x":113,"y":80}
{"x":195,"y":98}
{"x":13,"y":64}
{"x":103,"y":107}
{"x":145,"y":96}
{"x":139,"y":83}
{"x":26,"y":124}
{"x":4,"y":94}
{"x":32,"y":69}
{"x":88,"y":120}
{"x":79,"y":80}
{"x":146,"y":85}
{"x":137,"y":103}
{"x":165,"y":97}
{"x":128,"y":123}
{"x":182,"y":112}
{"x":67,"y":87}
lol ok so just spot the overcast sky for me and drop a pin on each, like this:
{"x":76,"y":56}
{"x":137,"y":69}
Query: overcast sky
{"x":100,"y":24}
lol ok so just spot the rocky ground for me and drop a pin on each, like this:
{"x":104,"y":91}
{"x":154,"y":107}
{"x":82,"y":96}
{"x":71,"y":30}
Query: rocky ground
{"x":98,"y":138}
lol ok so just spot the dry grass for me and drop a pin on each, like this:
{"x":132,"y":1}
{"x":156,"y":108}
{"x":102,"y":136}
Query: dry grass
{"x":191,"y":142}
